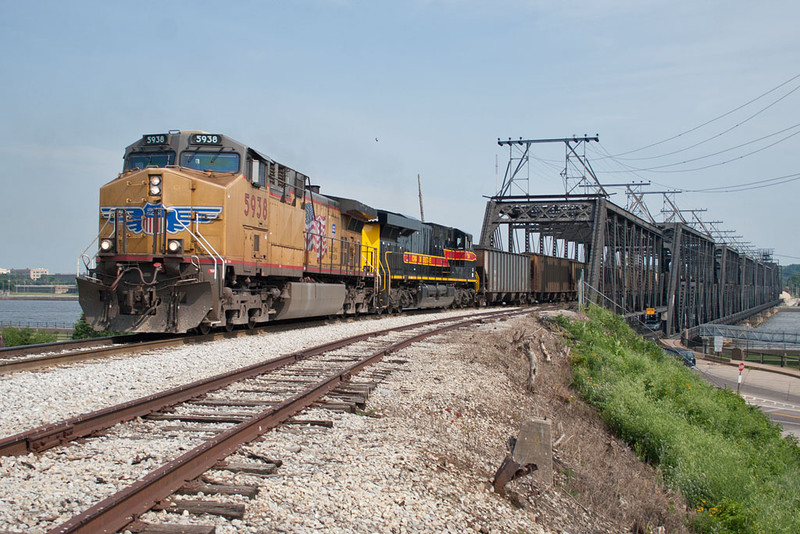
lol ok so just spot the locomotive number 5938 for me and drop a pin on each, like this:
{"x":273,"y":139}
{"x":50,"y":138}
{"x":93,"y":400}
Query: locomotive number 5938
{"x":255,"y":206}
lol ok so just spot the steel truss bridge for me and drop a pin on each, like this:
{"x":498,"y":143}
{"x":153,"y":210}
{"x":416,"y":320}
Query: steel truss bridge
{"x":631,"y":264}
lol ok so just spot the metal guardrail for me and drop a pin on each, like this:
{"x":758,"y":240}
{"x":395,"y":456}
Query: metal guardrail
{"x":741,"y":333}
{"x":691,"y":333}
{"x":37,"y":325}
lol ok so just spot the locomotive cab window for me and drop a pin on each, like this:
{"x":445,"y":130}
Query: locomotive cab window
{"x":142,"y":160}
{"x":210,"y":161}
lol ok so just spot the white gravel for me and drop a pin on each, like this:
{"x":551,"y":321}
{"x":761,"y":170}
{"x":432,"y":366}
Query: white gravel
{"x":32,"y":398}
{"x":421,"y":464}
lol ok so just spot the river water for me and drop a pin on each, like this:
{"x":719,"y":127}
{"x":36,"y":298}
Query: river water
{"x":783,"y":321}
{"x":39,"y":313}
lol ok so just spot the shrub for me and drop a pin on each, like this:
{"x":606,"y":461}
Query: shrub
{"x":15,"y":337}
{"x":83,"y":330}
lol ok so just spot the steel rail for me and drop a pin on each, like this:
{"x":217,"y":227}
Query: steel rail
{"x":118,"y":510}
{"x":125,"y":344}
{"x":54,"y":434}
{"x":22,"y":350}
{"x":26,"y":364}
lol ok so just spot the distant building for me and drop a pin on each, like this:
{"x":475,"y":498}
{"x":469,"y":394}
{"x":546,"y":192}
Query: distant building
{"x":4,"y":271}
{"x":33,"y":274}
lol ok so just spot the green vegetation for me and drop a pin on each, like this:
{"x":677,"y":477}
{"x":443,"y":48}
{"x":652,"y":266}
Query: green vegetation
{"x":83,"y":330}
{"x":727,"y":459}
{"x":25,"y":336}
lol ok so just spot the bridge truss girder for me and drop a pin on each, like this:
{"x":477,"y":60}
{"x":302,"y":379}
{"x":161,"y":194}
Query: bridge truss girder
{"x":632,"y":265}
{"x":622,"y":253}
{"x":691,"y":267}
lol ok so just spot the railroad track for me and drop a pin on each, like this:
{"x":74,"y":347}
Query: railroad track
{"x":235,"y":407}
{"x":30,"y":357}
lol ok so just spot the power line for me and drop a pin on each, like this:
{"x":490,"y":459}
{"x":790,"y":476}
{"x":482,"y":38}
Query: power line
{"x":719,"y":117}
{"x":658,"y":167}
{"x":757,"y":182}
{"x":746,"y":187}
{"x":754,"y":115}
{"x":786,"y":256}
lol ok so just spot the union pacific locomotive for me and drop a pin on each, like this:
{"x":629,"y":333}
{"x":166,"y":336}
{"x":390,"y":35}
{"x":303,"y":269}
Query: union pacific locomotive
{"x":201,"y":231}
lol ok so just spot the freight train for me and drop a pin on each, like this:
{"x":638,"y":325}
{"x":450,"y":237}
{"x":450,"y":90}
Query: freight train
{"x":200,"y":231}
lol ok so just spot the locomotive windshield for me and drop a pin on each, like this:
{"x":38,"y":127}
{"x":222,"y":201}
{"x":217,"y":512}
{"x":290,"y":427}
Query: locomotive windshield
{"x":210,"y":161}
{"x":143,"y":160}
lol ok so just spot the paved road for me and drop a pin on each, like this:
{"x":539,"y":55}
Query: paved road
{"x":776,"y":395}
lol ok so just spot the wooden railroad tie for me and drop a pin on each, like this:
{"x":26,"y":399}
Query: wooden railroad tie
{"x":228,"y":510}
{"x":141,"y":527}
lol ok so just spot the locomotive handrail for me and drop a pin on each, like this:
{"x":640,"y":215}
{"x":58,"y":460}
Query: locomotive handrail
{"x":86,"y":261}
{"x":200,"y":238}
{"x":387,"y":287}
{"x":368,"y":262}
{"x":209,"y":248}
{"x":84,"y":255}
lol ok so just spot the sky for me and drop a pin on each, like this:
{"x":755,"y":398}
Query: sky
{"x":363,"y":96}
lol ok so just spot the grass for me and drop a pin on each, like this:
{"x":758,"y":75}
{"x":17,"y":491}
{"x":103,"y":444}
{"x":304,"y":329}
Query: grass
{"x":726,"y":458}
{"x":25,"y":336}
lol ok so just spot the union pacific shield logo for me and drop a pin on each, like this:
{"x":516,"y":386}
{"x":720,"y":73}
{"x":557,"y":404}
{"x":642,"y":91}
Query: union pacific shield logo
{"x":149,"y":219}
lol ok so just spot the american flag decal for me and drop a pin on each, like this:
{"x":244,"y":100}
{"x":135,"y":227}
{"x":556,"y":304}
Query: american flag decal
{"x":151,"y":219}
{"x":315,"y":232}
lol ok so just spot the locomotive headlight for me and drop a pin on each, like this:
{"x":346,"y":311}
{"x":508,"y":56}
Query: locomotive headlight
{"x":175,"y":246}
{"x":106,"y":245}
{"x":155,"y":184}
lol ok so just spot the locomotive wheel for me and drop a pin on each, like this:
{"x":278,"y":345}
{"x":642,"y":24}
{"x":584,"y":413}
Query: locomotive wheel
{"x":251,"y":322}
{"x":229,"y":326}
{"x":204,"y":328}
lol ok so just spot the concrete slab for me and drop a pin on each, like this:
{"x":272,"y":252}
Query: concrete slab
{"x":535,"y":446}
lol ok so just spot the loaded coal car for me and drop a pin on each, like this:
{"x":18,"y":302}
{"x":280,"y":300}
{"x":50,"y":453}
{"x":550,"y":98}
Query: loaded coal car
{"x":516,"y":278}
{"x":503,"y":277}
{"x":554,"y":279}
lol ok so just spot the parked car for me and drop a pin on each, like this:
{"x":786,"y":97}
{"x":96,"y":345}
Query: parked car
{"x":685,"y":355}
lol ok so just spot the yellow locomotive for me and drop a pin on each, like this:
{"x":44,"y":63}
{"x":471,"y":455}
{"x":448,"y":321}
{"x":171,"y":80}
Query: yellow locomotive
{"x":200,"y":231}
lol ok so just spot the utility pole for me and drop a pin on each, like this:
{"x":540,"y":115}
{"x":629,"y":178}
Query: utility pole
{"x":421,"y":211}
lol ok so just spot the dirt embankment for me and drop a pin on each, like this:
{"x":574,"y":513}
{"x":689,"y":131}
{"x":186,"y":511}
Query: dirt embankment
{"x":599,"y":483}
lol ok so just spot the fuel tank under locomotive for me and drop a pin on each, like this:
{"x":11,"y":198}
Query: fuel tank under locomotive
{"x":435,"y":296}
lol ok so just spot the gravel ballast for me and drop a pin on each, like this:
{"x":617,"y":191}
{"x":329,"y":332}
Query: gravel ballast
{"x":41,"y":491}
{"x":419,"y":457}
{"x":32,"y":398}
